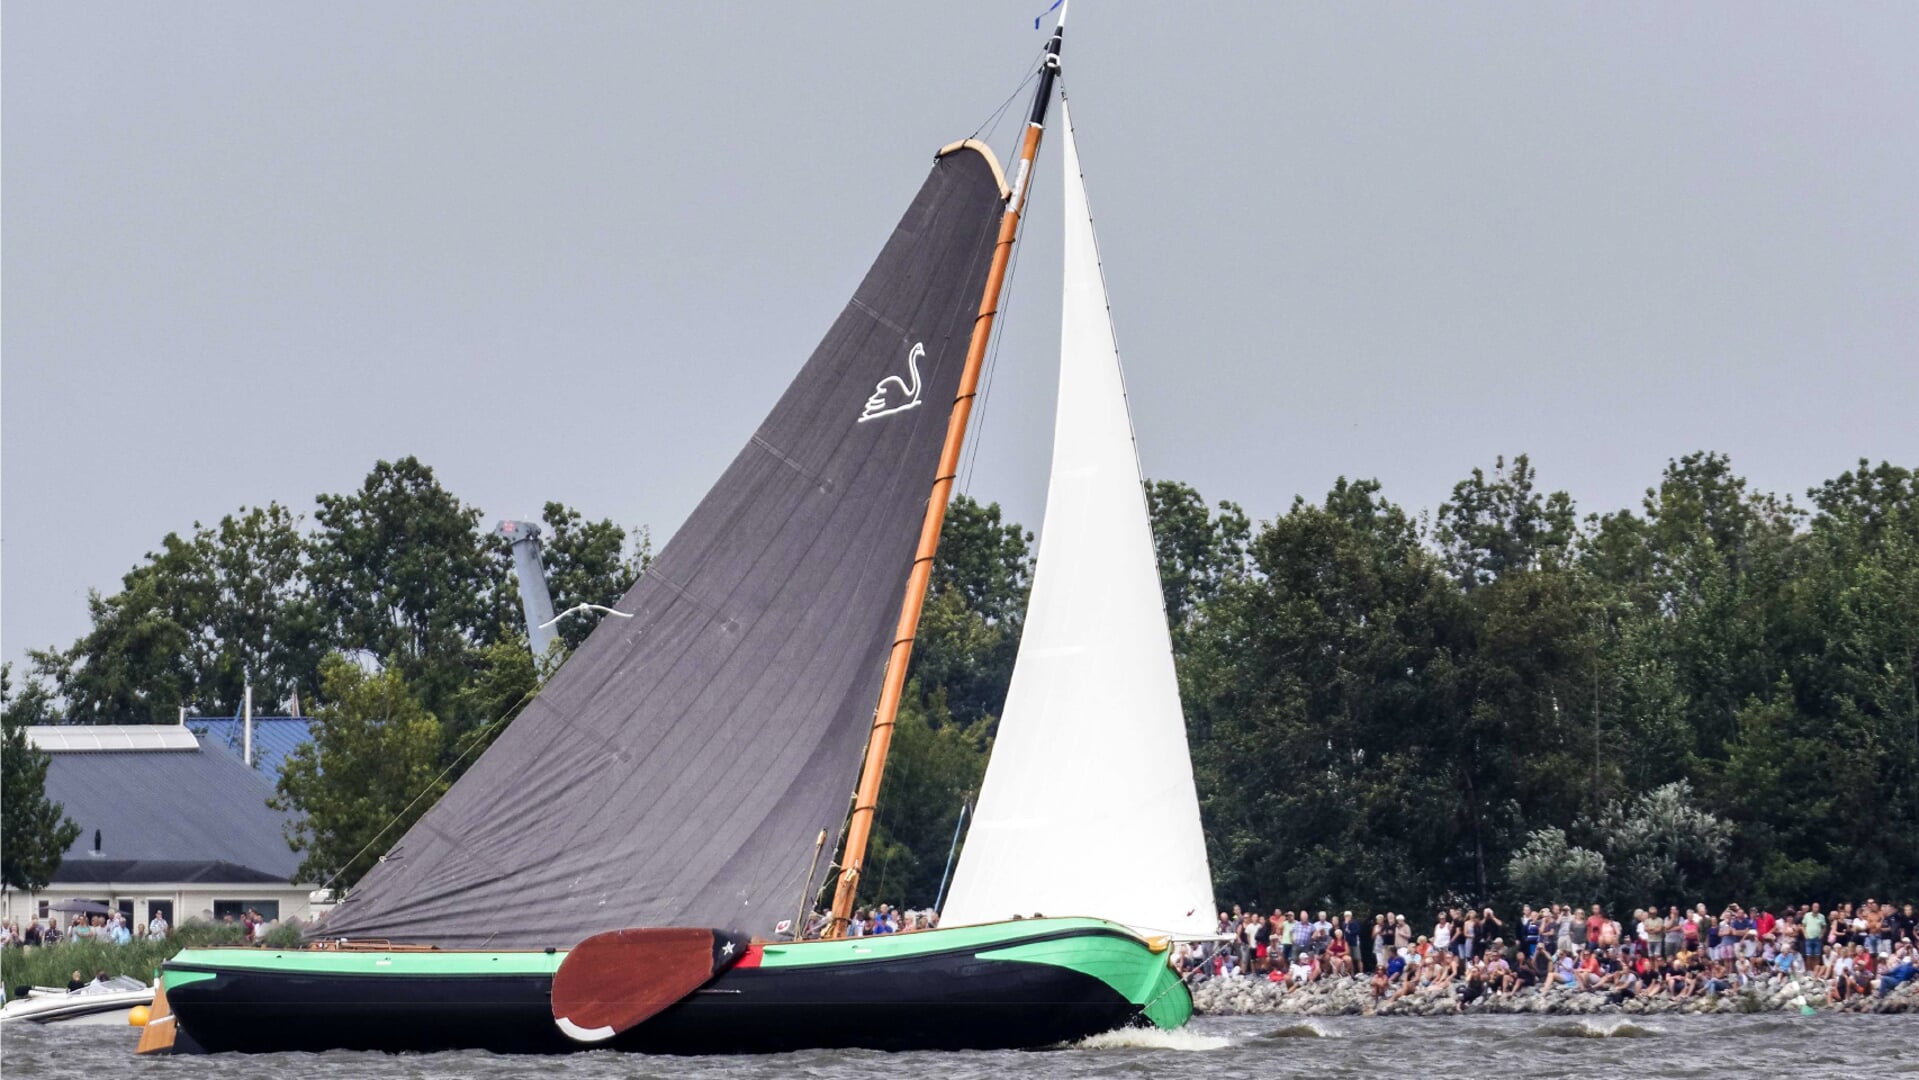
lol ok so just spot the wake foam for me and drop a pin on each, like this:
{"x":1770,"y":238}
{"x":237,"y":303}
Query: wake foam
{"x":1152,"y":1038}
{"x":1302,"y":1029}
{"x":1596,"y":1029}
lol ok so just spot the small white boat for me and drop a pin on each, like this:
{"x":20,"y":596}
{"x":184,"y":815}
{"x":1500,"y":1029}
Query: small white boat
{"x":96,"y":1003}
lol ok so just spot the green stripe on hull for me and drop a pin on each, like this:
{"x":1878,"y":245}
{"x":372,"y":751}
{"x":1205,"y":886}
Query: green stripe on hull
{"x":176,"y":979}
{"x":1134,"y":972}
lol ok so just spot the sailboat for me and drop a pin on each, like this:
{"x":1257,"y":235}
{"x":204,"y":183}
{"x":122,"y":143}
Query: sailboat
{"x":612,"y":871}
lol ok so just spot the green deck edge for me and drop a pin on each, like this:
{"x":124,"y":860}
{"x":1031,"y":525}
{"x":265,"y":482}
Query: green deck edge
{"x":332,"y":962}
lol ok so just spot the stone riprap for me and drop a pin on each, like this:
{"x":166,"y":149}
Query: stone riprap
{"x":1240,"y":996}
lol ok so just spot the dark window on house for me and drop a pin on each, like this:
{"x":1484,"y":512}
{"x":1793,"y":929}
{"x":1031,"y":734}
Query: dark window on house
{"x":268,"y":909}
{"x":162,"y":908}
{"x":125,"y":908}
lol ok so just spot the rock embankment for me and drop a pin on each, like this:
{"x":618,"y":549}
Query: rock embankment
{"x":1354,"y":997}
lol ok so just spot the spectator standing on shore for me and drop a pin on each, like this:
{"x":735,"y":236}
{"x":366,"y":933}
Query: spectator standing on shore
{"x":1491,"y":927}
{"x":1815,"y":933}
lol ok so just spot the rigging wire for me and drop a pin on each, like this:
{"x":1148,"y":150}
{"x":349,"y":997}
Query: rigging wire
{"x":1001,"y":318}
{"x":879,"y":822}
{"x":1007,"y":293}
{"x":1112,"y":327}
{"x":991,"y":123}
{"x":474,"y":739}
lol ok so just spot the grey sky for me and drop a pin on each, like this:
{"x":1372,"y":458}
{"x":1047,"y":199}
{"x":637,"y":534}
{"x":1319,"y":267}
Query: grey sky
{"x":574,"y":251}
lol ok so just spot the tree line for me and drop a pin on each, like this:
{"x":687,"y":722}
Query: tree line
{"x":1715,"y":694}
{"x":394,"y":620}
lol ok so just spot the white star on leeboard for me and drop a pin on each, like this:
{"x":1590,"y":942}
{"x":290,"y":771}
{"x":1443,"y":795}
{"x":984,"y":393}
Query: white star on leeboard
{"x":726,"y":949}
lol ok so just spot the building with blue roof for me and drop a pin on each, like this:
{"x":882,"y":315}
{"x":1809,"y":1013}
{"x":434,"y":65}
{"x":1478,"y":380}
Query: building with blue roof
{"x":274,"y":738}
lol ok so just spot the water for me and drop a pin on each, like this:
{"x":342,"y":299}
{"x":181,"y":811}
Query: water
{"x":1217,"y":1048}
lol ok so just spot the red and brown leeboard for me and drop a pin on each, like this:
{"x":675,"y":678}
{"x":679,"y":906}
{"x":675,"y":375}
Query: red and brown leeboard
{"x":614,"y":981}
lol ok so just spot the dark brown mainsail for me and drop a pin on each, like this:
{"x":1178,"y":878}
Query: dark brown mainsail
{"x":678,"y":769}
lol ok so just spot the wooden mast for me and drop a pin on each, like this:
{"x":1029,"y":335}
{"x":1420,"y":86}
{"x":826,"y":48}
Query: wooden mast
{"x":859,"y":829}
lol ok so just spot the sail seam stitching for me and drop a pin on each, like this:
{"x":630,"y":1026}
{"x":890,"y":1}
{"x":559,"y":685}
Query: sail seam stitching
{"x":881,"y":319}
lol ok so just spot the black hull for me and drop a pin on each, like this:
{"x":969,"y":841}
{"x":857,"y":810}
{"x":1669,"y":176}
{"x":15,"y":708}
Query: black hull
{"x":943,"y":1001}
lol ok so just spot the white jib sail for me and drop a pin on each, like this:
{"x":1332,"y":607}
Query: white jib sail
{"x":1088,"y":807}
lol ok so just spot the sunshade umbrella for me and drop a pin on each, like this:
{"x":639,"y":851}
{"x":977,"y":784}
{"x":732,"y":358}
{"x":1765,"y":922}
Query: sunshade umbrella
{"x":82,"y":907}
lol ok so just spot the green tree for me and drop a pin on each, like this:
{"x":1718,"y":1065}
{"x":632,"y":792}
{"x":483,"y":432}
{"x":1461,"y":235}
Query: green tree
{"x":934,"y":769}
{"x":1833,"y":742}
{"x":194,"y":622}
{"x":1661,"y":846}
{"x":374,"y":766}
{"x":1549,"y":869}
{"x":265,"y":624}
{"x":962,"y":663}
{"x":589,"y":562}
{"x":969,"y":628}
{"x":1774,"y":784}
{"x":1199,"y":552}
{"x":408,"y":577}
{"x":505,"y":677}
{"x":1492,"y":527}
{"x":34,"y":831}
{"x":139,"y":662}
{"x":1323,"y":707}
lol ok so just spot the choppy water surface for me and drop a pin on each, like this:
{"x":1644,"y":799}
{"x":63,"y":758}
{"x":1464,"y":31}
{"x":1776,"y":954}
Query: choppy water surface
{"x":1216,"y":1048}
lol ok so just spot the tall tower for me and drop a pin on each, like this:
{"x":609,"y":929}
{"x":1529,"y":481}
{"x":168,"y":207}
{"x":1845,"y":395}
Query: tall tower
{"x":534,"y":599}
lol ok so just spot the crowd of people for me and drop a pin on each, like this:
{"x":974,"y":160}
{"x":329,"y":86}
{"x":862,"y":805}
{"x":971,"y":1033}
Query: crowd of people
{"x":1857,"y":949}
{"x":114,"y":928}
{"x":883,"y":919}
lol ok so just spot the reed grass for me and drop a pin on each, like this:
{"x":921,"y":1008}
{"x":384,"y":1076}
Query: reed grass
{"x":54,"y":965}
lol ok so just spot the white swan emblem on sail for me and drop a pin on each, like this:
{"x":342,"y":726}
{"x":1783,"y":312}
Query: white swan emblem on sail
{"x":881,"y":403}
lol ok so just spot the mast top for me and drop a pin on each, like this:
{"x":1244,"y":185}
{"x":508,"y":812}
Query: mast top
{"x":1048,"y":71}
